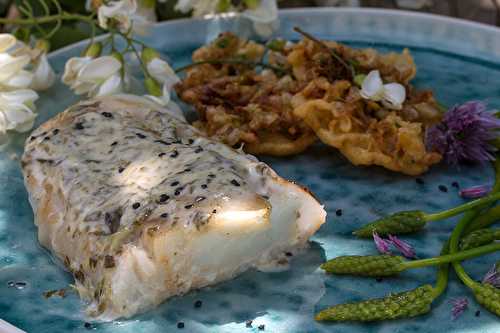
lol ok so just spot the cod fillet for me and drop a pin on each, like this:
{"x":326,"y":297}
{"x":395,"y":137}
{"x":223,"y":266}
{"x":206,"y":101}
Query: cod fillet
{"x":140,"y":207}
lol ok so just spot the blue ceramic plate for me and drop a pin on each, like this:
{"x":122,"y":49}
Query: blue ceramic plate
{"x":458,"y":60}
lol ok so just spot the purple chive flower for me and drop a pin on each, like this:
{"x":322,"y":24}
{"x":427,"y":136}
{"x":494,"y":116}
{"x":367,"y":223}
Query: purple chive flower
{"x":475,"y":192}
{"x":383,"y":246}
{"x":459,"y":306}
{"x":493,"y":276}
{"x":464,"y":134}
{"x":403,"y":247}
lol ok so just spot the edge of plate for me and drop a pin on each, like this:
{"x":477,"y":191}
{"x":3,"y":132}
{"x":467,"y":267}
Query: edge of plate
{"x":442,"y":33}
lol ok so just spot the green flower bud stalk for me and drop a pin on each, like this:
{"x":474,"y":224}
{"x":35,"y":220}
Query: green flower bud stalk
{"x":381,"y":265}
{"x":386,"y":265}
{"x":488,"y":296}
{"x":401,"y":305}
{"x":152,"y":86}
{"x":395,"y":224}
{"x":413,"y":221}
{"x":93,"y":50}
{"x":148,"y":54}
{"x":479,"y":237}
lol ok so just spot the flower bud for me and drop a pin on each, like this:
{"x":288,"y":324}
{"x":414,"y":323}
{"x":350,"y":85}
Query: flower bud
{"x":23,"y":34}
{"x":43,"y":45}
{"x":152,"y":86}
{"x":401,"y":305}
{"x":93,"y":50}
{"x":381,"y":265}
{"x":488,"y":296}
{"x":399,"y":223}
{"x":118,"y":56}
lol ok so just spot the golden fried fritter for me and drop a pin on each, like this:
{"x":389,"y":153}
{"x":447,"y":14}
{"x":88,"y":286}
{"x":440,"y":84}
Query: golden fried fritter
{"x":303,"y":93}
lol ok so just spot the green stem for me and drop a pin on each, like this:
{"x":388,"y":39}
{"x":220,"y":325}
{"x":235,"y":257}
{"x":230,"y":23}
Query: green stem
{"x":458,"y":256}
{"x":334,"y":54}
{"x":233,"y":62}
{"x":442,"y":274}
{"x":454,"y":239}
{"x":464,"y":225}
{"x":484,"y":220}
{"x":47,"y":19}
{"x":462,"y":208}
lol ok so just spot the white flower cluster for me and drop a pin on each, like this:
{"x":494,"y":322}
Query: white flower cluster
{"x":99,"y":76}
{"x":264,"y":14}
{"x":96,"y":75}
{"x":124,"y":15}
{"x":23,"y":70}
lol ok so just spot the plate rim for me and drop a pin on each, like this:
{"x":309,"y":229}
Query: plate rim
{"x":325,"y":11}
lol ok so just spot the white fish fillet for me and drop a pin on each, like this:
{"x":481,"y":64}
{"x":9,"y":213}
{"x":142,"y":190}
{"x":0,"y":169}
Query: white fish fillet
{"x":140,"y":207}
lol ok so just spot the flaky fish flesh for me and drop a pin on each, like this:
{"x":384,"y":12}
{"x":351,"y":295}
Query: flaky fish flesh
{"x":140,"y":207}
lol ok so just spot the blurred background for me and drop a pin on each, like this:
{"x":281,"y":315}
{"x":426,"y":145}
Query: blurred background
{"x":485,"y":11}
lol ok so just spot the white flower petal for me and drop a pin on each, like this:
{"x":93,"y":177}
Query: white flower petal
{"x":21,"y":80}
{"x":265,"y":29}
{"x":199,"y":7}
{"x":266,"y":12}
{"x":27,"y":124}
{"x":20,"y":96}
{"x":161,"y":71}
{"x":394,"y":96}
{"x":10,"y":65}
{"x":372,"y":87}
{"x":73,"y":67}
{"x":81,"y":88}
{"x":16,"y":110}
{"x":44,"y":75}
{"x":6,"y":42}
{"x":121,"y":11}
{"x":99,"y":69}
{"x":18,"y":114}
{"x":111,"y":86}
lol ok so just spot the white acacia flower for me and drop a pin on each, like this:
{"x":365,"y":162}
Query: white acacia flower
{"x":161,"y":71}
{"x":392,"y":95}
{"x":72,"y":68}
{"x":94,"y":77}
{"x":43,"y":74}
{"x":7,"y":41}
{"x":264,"y":17}
{"x":199,"y":7}
{"x":17,"y":111}
{"x":12,"y":74}
{"x":124,"y":14}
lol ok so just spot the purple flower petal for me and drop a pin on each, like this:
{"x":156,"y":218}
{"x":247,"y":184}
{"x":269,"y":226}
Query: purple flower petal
{"x":493,"y":276}
{"x":381,"y":244}
{"x":464,"y":134}
{"x":403,"y":247}
{"x":475,"y":192}
{"x":459,"y":306}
